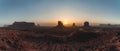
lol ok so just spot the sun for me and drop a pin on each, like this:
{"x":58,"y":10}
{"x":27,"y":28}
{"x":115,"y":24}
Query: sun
{"x":65,"y":22}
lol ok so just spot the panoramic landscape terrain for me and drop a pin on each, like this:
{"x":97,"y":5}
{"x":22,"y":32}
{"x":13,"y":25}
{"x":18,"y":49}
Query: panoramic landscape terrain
{"x":24,"y":36}
{"x":59,"y":25}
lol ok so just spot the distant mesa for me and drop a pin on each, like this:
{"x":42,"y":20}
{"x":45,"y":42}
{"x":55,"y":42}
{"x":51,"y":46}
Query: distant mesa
{"x":86,"y":24}
{"x":30,"y":25}
{"x":22,"y":25}
{"x":60,"y":24}
{"x":74,"y":25}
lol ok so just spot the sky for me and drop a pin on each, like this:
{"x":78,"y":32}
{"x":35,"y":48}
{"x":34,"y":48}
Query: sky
{"x":48,"y":12}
